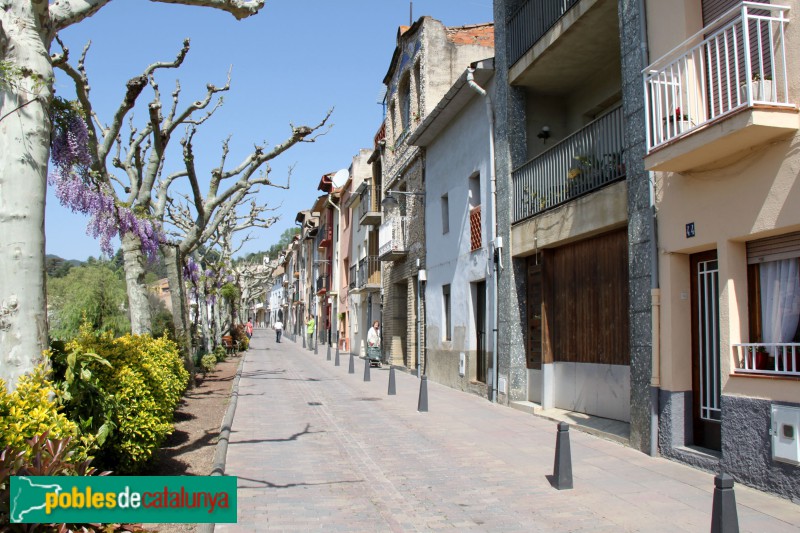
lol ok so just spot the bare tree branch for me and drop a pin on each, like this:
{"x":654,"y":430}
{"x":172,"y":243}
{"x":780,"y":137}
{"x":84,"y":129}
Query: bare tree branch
{"x":64,"y":13}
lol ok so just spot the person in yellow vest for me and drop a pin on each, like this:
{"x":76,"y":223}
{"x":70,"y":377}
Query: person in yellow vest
{"x":310,"y":323}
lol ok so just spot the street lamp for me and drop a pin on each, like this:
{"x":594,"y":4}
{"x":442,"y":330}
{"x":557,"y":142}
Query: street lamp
{"x":390,"y":201}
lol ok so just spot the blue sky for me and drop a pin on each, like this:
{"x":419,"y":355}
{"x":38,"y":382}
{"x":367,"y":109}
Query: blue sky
{"x":290,"y":63}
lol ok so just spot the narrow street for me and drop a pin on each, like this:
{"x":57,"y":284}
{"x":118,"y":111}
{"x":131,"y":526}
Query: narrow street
{"x":318,"y":449}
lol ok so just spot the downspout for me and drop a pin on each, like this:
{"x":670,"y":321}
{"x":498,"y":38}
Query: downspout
{"x":337,"y":257}
{"x":655,"y":291}
{"x":495,"y":242}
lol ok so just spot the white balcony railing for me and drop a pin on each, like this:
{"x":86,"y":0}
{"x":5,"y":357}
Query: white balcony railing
{"x":737,"y":61}
{"x":774,"y":359}
{"x":391,"y":237}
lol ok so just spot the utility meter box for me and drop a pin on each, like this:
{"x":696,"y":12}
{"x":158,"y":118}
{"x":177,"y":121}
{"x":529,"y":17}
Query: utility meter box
{"x":785,"y":430}
{"x":462,"y":364}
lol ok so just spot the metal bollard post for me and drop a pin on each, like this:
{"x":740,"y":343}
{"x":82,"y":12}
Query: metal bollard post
{"x":352,"y":369}
{"x":562,"y":470}
{"x":422,"y":403}
{"x":724,"y":518}
{"x":366,"y":369}
{"x":392,"y":389}
{"x":316,"y":345}
{"x":329,"y":352}
{"x":304,"y":340}
{"x":336,"y":360}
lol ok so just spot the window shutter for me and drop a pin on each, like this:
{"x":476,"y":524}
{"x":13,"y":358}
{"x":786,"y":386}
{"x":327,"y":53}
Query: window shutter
{"x":785,"y":246}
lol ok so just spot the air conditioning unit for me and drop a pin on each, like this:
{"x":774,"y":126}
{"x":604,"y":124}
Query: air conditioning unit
{"x":784,"y":429}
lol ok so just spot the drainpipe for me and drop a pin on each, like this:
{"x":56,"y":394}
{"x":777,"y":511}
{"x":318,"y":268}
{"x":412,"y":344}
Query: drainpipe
{"x":338,"y":255}
{"x":496,"y":242}
{"x":655,"y":291}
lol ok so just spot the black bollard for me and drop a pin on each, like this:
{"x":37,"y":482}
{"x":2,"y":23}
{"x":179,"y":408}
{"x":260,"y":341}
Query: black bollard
{"x":336,"y":360}
{"x":562,"y":470}
{"x":724,"y":518}
{"x":329,"y":352}
{"x":366,"y":369}
{"x":304,"y":341}
{"x":352,"y":369}
{"x":392,"y":389}
{"x":422,"y":403}
{"x":316,"y":346}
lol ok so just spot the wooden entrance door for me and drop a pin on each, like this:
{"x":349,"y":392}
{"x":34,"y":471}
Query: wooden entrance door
{"x":705,"y":350}
{"x":533,"y":338}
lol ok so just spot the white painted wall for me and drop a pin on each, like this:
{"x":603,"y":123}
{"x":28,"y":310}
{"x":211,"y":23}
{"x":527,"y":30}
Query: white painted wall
{"x":459,"y":151}
{"x":360,"y":171}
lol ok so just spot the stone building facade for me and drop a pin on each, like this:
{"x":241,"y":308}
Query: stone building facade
{"x":428,"y":58}
{"x":573,"y":198}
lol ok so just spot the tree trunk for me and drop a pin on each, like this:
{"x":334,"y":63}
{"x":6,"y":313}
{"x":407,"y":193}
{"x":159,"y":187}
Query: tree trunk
{"x":24,"y":151}
{"x":206,"y":328}
{"x":180,"y":310}
{"x":218,"y":321}
{"x":134,"y":261}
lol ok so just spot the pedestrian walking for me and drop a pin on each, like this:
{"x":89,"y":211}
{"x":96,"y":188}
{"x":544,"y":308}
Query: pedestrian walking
{"x":278,"y":330}
{"x":249,"y":328}
{"x":374,"y":343}
{"x":310,"y":324}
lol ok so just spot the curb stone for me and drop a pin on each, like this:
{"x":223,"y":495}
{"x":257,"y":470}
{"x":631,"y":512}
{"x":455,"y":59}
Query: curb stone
{"x":221,"y":451}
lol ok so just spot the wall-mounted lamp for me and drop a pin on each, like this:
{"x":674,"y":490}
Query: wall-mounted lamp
{"x":390,"y":201}
{"x":544,"y":134}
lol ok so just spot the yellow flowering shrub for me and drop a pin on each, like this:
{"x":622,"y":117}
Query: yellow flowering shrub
{"x":142,"y":384}
{"x":31,"y":410}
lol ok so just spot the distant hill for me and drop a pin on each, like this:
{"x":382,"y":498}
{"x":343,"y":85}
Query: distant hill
{"x":58,"y":267}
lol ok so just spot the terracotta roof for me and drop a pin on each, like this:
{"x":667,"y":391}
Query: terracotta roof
{"x":480,"y":34}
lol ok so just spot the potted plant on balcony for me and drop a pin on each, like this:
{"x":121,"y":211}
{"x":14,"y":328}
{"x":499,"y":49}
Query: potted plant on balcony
{"x":762,"y":88}
{"x":676,"y":123}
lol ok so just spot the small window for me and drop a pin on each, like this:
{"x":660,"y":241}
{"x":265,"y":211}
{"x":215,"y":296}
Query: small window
{"x":405,"y":103}
{"x":445,"y":215}
{"x":447,"y":314}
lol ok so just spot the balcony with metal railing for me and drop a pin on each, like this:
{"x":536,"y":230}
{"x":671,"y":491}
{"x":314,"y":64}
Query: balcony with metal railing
{"x":369,"y":212}
{"x":392,"y":239}
{"x":531,"y":21}
{"x":353,"y":277}
{"x":369,"y":273}
{"x":322,"y":284}
{"x":325,"y":236}
{"x":585,"y":161}
{"x":726,"y":87}
{"x":770,"y":359}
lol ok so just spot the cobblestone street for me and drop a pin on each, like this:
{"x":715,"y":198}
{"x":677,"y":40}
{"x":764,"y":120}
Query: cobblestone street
{"x":316,"y":448}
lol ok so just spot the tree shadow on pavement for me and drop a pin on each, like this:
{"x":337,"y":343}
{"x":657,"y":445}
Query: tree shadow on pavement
{"x":290,"y":438}
{"x":269,"y":485}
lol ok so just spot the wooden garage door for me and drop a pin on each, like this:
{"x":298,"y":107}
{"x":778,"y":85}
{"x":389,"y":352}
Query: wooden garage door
{"x":590,"y":300}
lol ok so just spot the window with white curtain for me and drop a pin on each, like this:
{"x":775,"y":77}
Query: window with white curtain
{"x":779,"y":292}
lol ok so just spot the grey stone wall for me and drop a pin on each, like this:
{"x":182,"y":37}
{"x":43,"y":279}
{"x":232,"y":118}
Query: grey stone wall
{"x":510,"y":150}
{"x":675,"y":420}
{"x":640,"y":220}
{"x":747,"y":448}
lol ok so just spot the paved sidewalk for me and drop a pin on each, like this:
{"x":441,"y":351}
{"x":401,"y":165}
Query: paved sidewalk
{"x":318,"y":449}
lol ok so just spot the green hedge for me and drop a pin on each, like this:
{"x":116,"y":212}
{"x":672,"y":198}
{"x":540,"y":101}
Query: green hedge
{"x":124,"y":390}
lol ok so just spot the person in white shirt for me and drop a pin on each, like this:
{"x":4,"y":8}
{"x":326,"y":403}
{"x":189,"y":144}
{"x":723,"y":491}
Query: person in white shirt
{"x":374,"y":335}
{"x":278,"y":330}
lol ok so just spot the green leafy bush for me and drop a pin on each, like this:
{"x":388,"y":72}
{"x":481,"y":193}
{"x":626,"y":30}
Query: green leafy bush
{"x":208,"y":362}
{"x":219,"y":353}
{"x":128,"y":389}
